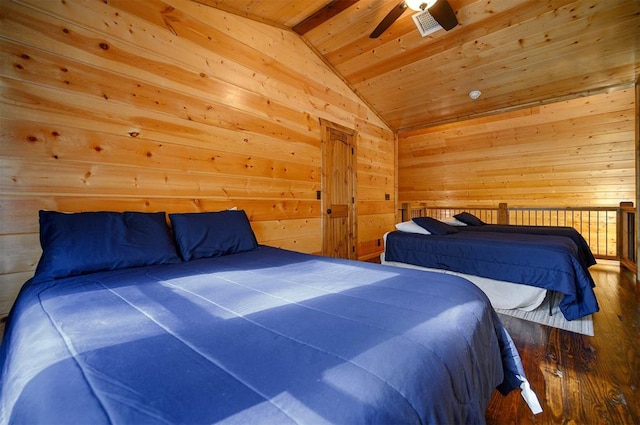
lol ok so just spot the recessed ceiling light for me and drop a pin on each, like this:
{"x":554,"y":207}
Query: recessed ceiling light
{"x":474,"y":94}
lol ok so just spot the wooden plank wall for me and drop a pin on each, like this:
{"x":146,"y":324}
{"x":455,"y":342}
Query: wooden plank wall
{"x":577,"y":153}
{"x":637,"y":204}
{"x":171,"y":106}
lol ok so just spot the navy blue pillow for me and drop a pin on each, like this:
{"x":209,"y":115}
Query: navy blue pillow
{"x":435,"y":227}
{"x":79,"y":243}
{"x":212,"y":234}
{"x":469,"y":219}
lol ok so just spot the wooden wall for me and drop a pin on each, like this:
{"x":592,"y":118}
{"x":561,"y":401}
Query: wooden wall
{"x":577,"y":153}
{"x":637,"y":203}
{"x":171,"y":106}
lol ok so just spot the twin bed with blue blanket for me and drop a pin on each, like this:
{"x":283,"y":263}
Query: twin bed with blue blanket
{"x":555,"y":259}
{"x":127,"y":322}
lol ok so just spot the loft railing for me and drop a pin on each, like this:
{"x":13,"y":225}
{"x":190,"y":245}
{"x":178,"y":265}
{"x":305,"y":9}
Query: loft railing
{"x":604,"y":228}
{"x":486,"y":214}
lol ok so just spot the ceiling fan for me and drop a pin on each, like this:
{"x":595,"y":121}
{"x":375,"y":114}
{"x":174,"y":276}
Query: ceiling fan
{"x":439,"y":10}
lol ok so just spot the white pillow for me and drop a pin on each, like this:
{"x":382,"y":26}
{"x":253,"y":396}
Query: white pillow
{"x":411,"y":227}
{"x":452,"y":221}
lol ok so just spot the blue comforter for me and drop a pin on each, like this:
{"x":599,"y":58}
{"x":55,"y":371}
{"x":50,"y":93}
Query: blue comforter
{"x":266,"y":336}
{"x":584,"y":254}
{"x":544,"y":261}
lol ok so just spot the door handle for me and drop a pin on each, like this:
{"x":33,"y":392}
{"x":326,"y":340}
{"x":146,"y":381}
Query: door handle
{"x":328,"y":210}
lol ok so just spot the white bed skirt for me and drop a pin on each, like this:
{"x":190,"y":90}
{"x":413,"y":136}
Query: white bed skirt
{"x":502,"y":294}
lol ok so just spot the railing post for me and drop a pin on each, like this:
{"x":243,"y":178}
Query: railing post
{"x":626,"y":244}
{"x":620,"y":227}
{"x":503,"y":213}
{"x":406,"y":211}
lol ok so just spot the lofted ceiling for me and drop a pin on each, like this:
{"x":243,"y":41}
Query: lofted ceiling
{"x":516,"y":52}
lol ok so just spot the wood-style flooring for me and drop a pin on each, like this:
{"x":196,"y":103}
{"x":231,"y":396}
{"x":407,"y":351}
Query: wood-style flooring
{"x":581,"y":379}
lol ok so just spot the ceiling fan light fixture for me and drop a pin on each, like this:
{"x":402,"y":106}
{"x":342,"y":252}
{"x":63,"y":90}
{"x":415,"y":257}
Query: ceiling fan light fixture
{"x":419,"y":5}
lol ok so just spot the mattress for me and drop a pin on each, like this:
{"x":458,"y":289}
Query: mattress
{"x":264,"y":336}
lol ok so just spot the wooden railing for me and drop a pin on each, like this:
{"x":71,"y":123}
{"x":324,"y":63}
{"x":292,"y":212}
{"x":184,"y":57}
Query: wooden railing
{"x":606,"y":230}
{"x":489,"y":215}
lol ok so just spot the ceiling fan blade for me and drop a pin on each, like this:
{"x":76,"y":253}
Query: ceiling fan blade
{"x":389,"y":19}
{"x":444,"y":14}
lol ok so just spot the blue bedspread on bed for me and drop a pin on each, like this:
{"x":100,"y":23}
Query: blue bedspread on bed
{"x":584,"y":254}
{"x":267,"y":336}
{"x":538,"y":260}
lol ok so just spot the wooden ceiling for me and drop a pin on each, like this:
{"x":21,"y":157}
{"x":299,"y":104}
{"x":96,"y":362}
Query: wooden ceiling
{"x":516,"y":52}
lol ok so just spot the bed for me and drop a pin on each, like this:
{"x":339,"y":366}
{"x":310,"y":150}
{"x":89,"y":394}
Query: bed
{"x":203,"y":325}
{"x":548,"y":262}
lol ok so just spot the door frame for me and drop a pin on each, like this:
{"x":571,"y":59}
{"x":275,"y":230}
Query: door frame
{"x":326,"y":128}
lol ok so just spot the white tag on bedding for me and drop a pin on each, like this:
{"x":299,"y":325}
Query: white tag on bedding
{"x":529,"y":396}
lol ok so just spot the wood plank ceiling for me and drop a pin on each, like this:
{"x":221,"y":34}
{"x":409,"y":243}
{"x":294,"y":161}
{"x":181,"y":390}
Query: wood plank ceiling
{"x":516,"y":52}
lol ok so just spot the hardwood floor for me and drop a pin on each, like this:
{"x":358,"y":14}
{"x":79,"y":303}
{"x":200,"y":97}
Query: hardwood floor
{"x":581,"y":379}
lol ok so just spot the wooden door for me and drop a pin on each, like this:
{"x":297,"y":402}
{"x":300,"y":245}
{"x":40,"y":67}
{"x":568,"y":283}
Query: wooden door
{"x":338,"y":191}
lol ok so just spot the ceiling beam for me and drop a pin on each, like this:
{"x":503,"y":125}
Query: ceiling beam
{"x":323,"y":15}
